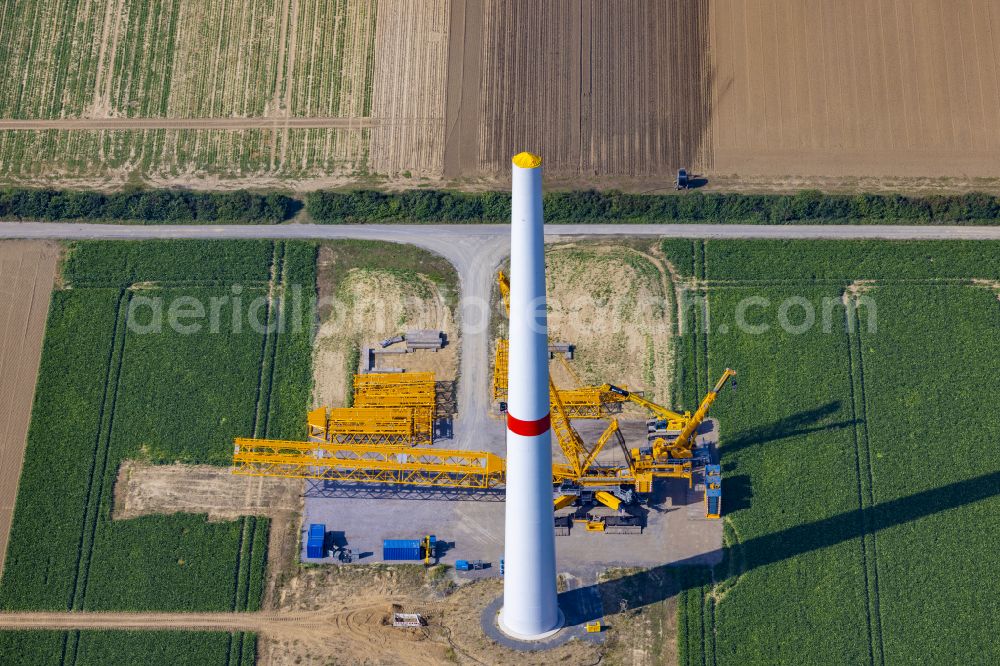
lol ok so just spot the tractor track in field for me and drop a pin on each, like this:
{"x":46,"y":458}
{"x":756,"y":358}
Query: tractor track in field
{"x":865,"y":481}
{"x":276,"y":123}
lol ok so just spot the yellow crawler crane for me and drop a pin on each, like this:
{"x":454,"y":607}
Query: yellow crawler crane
{"x":442,"y":468}
{"x":683,"y":440}
{"x":670,"y":419}
{"x":580,"y":468}
{"x":680,"y":447}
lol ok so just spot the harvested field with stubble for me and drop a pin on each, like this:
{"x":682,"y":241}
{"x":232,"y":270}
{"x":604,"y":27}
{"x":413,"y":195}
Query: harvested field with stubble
{"x":771,"y":95}
{"x":27,"y":270}
{"x":408,"y":87}
{"x":113,"y":59}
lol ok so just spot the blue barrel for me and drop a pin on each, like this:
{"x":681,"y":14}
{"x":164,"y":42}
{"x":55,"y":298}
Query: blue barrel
{"x":316,"y":541}
{"x":401,"y":549}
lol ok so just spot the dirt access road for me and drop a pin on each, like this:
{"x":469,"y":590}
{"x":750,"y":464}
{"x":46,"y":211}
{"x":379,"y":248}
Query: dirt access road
{"x":352,"y":632}
{"x":264,"y":622}
{"x":27,"y":271}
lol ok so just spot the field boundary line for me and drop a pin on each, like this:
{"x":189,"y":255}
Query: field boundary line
{"x":242,"y":572}
{"x":268,"y":342}
{"x":839,"y":282}
{"x":706,"y":318}
{"x":117,"y":342}
{"x":276,"y":295}
{"x":113,"y":406}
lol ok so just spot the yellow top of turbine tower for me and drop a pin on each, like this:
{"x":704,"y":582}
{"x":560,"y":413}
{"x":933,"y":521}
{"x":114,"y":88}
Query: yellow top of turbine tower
{"x":527,"y":160}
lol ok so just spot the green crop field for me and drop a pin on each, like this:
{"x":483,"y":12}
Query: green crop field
{"x":127,"y":648}
{"x":861,"y":466}
{"x":112,"y":386}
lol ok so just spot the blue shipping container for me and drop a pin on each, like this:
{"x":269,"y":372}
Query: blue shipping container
{"x":315,"y":543}
{"x":401,"y":549}
{"x":461,"y":565}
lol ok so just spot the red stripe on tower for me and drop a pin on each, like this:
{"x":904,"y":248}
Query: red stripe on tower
{"x":528,"y":428}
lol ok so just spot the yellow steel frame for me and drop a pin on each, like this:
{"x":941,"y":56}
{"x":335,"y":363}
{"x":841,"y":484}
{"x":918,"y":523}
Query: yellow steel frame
{"x":569,"y":439}
{"x":500,"y":357}
{"x":674,"y":420}
{"x":589,"y":402}
{"x":389,"y":381}
{"x":611,"y":431}
{"x":441,"y":468}
{"x":647,"y":469}
{"x":583,"y":402}
{"x":317,"y":422}
{"x":577,"y":382}
{"x":504,"y":283}
{"x":363,"y":463}
{"x":413,"y":390}
{"x":371,"y":425}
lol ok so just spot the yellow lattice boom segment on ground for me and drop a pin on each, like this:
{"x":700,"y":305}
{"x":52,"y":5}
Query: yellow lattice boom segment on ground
{"x":500,"y":357}
{"x":363,"y":463}
{"x":387,"y":382}
{"x":395,"y":465}
{"x":413,"y":390}
{"x":371,"y":425}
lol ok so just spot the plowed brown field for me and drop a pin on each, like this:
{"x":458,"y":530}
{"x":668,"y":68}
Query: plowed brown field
{"x":27,"y":270}
{"x":610,"y":88}
{"x":855,"y":87}
{"x":762,"y":94}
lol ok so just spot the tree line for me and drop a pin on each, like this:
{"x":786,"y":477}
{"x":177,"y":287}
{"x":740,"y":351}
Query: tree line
{"x":591,"y":207}
{"x":147,"y":206}
{"x":151,"y":206}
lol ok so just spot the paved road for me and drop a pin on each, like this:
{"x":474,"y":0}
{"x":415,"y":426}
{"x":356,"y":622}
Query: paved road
{"x":476,"y":250}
